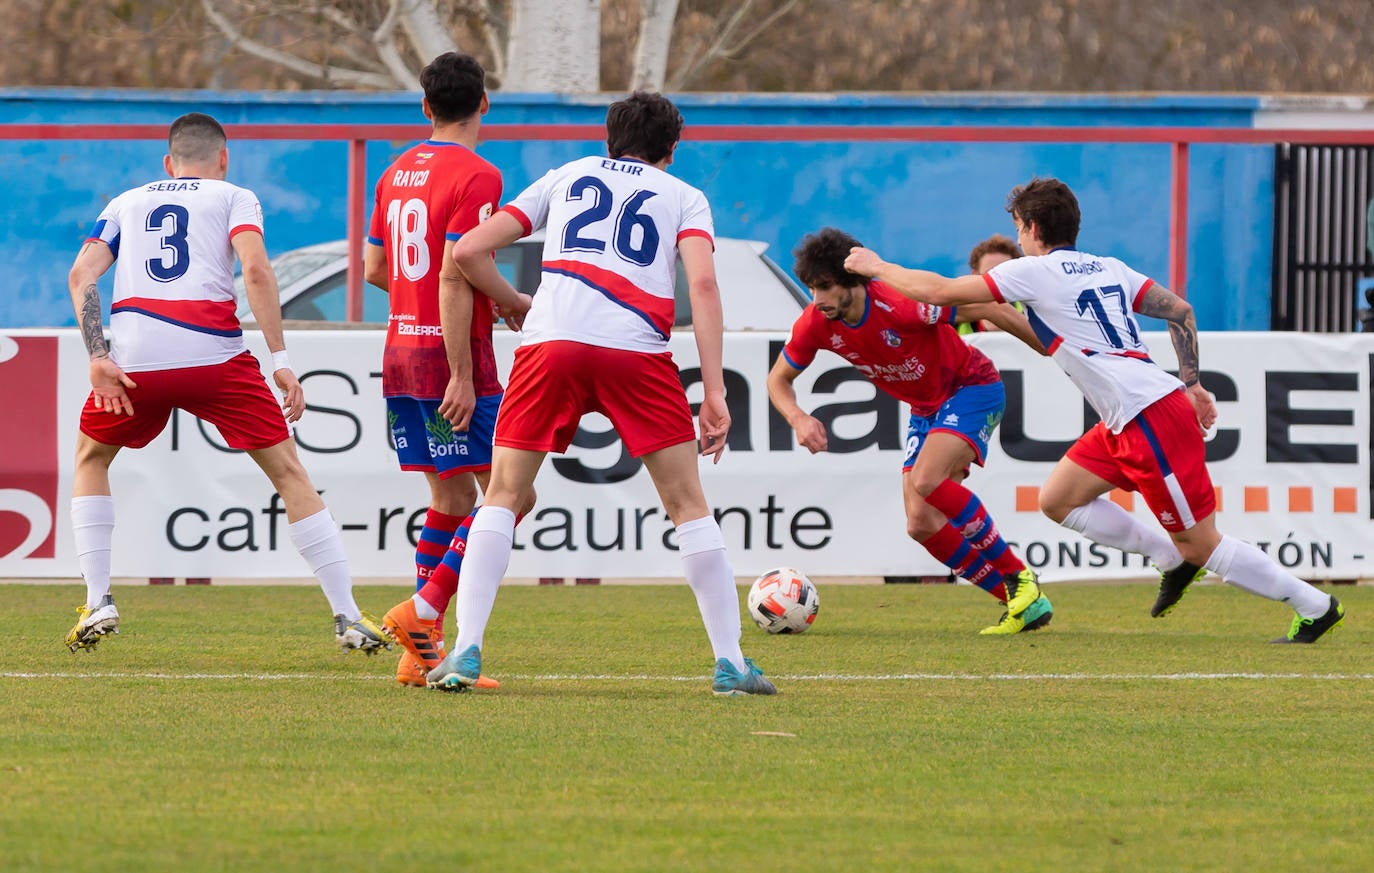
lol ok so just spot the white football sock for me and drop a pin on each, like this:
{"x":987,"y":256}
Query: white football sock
{"x":489,"y":547}
{"x":317,"y":540}
{"x":712,"y":580}
{"x":1102,"y":521}
{"x":93,"y":520}
{"x":423,"y":609}
{"x":1249,"y":569}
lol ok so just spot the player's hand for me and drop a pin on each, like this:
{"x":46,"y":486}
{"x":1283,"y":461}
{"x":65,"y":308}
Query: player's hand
{"x":863,"y":262}
{"x":108,"y":384}
{"x":293,"y":395}
{"x":459,"y":401}
{"x":714,"y":419}
{"x":1204,"y":405}
{"x":515,"y":315}
{"x":811,"y":435}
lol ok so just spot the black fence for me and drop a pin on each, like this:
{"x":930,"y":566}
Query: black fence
{"x":1323,"y":205}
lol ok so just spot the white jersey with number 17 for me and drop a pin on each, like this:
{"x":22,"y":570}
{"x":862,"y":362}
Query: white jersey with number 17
{"x":1081,"y":306}
{"x":610,"y":254}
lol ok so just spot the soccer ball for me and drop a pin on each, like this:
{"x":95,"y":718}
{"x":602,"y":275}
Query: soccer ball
{"x":783,"y":601}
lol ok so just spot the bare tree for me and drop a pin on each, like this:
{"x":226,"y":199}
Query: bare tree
{"x":555,"y":45}
{"x":1263,"y":46}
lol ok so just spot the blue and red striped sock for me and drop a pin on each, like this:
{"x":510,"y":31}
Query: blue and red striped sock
{"x":952,"y":550}
{"x":968,"y":516}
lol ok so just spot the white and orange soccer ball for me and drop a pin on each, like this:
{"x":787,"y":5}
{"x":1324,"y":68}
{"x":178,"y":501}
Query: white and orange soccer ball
{"x":783,"y":601}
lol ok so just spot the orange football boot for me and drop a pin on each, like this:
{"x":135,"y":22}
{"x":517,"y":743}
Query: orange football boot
{"x":409,"y":671}
{"x":422,"y":640}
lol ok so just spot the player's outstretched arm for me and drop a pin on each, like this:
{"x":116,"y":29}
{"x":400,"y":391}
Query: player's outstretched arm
{"x":920,"y":285}
{"x":1160,"y":302}
{"x":1007,"y":317}
{"x":260,"y":287}
{"x":783,"y":394}
{"x":708,"y":323}
{"x":472,"y":253}
{"x":108,"y":381}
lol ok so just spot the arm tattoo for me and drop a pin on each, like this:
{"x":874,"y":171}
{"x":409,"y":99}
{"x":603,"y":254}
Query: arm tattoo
{"x":1162,"y":303}
{"x":91,"y":330}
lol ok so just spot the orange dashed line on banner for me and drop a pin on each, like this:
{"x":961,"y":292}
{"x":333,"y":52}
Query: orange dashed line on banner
{"x":1345,"y":500}
{"x":1300,"y":499}
{"x":1255,"y":499}
{"x":1124,"y":499}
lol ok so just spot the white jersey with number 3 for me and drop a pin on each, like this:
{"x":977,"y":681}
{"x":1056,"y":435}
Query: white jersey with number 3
{"x":610,"y":255}
{"x":1081,"y":307}
{"x":174,"y":303}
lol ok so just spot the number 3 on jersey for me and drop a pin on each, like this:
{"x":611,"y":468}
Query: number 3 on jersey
{"x":408,"y":224}
{"x":634,"y":234}
{"x":173,"y":240}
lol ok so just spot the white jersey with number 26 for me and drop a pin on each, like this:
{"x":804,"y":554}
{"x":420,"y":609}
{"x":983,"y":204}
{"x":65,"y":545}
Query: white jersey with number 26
{"x":174,"y":303}
{"x":610,"y":254}
{"x":1081,"y":307}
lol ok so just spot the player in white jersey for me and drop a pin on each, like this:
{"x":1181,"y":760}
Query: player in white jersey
{"x":595,"y":340}
{"x":1150,"y":438}
{"x":172,"y":324}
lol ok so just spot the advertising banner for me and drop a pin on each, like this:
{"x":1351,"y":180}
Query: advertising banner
{"x":1289,"y":458}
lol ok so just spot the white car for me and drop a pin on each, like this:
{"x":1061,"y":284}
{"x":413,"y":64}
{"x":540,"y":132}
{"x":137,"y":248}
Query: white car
{"x":755,"y":292}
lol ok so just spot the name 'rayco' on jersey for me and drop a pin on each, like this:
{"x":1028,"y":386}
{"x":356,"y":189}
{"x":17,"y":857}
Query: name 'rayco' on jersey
{"x":410,"y":178}
{"x":1072,"y":267}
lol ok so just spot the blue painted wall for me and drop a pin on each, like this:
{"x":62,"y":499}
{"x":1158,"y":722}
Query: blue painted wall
{"x":918,"y":203}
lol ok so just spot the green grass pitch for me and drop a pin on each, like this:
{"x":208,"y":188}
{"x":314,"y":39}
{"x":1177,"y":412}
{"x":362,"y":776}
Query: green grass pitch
{"x":221,"y":730}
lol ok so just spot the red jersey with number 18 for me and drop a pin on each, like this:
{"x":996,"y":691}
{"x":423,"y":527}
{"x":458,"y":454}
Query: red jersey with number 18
{"x":435,"y":191}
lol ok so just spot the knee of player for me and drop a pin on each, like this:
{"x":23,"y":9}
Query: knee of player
{"x":923,"y":522}
{"x":1053,"y":507}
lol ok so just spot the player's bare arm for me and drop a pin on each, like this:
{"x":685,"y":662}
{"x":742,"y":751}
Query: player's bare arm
{"x":472,"y":254}
{"x":108,"y":381}
{"x":1160,"y":302}
{"x":1004,"y":315}
{"x":810,"y":432}
{"x":260,"y":287}
{"x":708,"y":323}
{"x":375,"y":267}
{"x":920,"y":285}
{"x":455,"y":317}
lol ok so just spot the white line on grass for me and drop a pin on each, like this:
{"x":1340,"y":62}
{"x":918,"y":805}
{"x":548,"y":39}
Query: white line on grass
{"x":644,"y":677}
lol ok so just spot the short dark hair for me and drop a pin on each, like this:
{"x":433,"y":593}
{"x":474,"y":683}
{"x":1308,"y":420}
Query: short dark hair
{"x":995,"y":244}
{"x":195,"y":137}
{"x":453,"y":84}
{"x":819,"y":259}
{"x":644,"y":125}
{"x":1051,"y":206}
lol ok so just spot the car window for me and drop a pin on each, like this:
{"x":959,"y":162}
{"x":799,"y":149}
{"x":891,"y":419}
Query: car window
{"x":291,"y":267}
{"x":328,"y":301}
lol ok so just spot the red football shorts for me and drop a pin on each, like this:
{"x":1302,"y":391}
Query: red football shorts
{"x":552,"y":384}
{"x":1161,"y":454}
{"x":232,"y":396}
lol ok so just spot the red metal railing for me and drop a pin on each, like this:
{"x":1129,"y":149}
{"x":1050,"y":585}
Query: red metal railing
{"x":358,"y":135}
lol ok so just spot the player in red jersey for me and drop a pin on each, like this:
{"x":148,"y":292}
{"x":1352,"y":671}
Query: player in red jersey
{"x":1150,"y":437}
{"x":596,"y":340}
{"x":177,"y":344}
{"x":913,"y":352}
{"x":438,"y":368}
